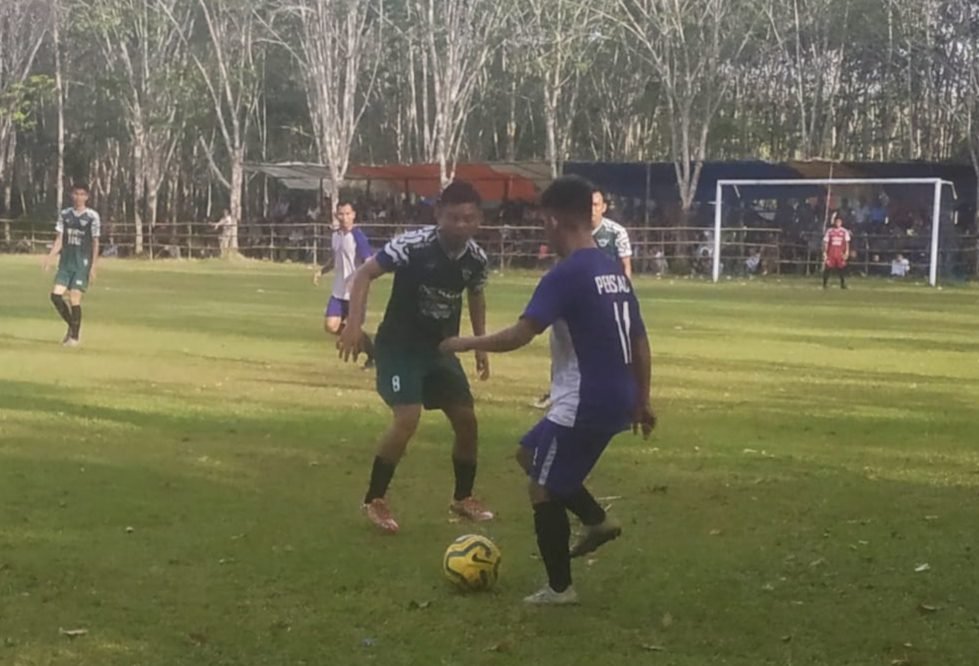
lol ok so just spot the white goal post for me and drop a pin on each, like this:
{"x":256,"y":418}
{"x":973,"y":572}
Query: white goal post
{"x":937,"y":183}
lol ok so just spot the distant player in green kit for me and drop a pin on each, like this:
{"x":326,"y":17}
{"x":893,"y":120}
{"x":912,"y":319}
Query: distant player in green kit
{"x":78,"y":244}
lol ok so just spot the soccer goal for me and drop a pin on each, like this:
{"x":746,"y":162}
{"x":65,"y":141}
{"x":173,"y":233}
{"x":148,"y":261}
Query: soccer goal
{"x":901,"y":227}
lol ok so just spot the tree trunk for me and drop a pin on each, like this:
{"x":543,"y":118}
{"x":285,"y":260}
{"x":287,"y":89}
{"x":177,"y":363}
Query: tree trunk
{"x":550,"y":122}
{"x":237,"y":187}
{"x":137,"y":181}
{"x":60,"y":94}
{"x":152,"y":204}
{"x":8,"y":184}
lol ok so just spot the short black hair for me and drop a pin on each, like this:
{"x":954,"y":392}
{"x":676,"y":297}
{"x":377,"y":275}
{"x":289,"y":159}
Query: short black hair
{"x":570,"y":197}
{"x":80,"y":186}
{"x":460,"y":192}
{"x":346,"y":202}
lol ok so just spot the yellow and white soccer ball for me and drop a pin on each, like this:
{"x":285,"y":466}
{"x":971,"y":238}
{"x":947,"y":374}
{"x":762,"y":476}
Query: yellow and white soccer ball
{"x":472,"y":562}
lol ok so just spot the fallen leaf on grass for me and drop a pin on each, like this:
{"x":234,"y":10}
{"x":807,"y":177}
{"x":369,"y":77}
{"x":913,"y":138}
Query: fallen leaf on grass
{"x":921,"y":568}
{"x":715,"y":532}
{"x":901,"y":661}
{"x":787,"y":638}
{"x":653,"y":648}
{"x":73,"y":633}
{"x":368,"y":642}
{"x":928,"y":608}
{"x":502,"y":646}
{"x":418,"y":605}
{"x":931,"y":517}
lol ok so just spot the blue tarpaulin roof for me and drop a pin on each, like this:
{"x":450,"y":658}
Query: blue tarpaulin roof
{"x":629,"y":179}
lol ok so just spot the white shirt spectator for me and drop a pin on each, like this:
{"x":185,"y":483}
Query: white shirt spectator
{"x":900,"y":267}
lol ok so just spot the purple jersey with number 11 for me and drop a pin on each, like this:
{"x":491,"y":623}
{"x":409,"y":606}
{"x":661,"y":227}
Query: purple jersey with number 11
{"x":593,"y":313}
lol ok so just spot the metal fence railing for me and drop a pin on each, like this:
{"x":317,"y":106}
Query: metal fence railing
{"x":656,"y":250}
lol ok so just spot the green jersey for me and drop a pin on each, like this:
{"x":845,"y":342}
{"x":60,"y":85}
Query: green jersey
{"x":79,"y":231}
{"x":426,"y":300}
{"x":612,"y":238}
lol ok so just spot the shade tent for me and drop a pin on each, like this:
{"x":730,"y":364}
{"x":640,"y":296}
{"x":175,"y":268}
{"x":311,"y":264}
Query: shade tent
{"x":640,"y":181}
{"x":495,"y":181}
{"x":657,"y":180}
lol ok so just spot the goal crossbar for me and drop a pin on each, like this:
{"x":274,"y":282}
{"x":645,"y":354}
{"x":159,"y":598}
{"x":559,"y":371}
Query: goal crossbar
{"x":937,"y":183}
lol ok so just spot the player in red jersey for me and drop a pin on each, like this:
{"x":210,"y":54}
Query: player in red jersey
{"x":836,"y":250}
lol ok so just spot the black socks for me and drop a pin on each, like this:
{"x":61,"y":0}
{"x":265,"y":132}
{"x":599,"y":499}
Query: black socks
{"x":381,"y":475}
{"x":553,"y":532}
{"x":62,"y":307}
{"x":582,"y":504}
{"x":76,"y":321}
{"x":465,"y":478}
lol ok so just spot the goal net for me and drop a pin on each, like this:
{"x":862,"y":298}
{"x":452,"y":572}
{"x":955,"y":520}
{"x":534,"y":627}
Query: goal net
{"x":902,"y":228}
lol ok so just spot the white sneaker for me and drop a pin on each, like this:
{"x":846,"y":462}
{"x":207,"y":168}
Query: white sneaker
{"x":548,"y":597}
{"x":71,"y":342}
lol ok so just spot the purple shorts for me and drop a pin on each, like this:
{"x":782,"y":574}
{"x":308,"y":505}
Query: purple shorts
{"x":337,"y":307}
{"x":564,"y":457}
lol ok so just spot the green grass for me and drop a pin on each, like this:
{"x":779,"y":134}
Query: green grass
{"x":813,"y":449}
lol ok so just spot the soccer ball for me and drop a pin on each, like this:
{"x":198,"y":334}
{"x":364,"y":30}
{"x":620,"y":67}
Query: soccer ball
{"x":472,"y":562}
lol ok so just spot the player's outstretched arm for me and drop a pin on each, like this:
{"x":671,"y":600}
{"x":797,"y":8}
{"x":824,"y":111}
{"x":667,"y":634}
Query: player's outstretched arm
{"x":644,"y":419}
{"x":509,"y":339}
{"x":350,"y":339}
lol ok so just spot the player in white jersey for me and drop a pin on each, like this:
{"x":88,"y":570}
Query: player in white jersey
{"x":350,"y":249}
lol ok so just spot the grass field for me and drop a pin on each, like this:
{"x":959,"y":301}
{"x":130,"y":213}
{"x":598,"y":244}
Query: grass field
{"x":186,"y":486}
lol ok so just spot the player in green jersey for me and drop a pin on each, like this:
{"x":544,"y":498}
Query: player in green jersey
{"x":432,"y":269}
{"x":77,"y":243}
{"x":610,"y":236}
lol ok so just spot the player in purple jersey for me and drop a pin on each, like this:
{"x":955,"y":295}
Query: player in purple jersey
{"x":600,"y":381}
{"x":350,"y":250}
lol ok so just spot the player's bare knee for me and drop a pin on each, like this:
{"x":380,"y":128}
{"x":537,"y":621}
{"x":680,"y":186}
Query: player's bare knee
{"x":332,"y":325}
{"x":405,"y":423}
{"x":75,"y":297}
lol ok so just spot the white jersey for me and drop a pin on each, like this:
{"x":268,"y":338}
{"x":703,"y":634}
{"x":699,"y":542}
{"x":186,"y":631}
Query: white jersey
{"x":350,"y":249}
